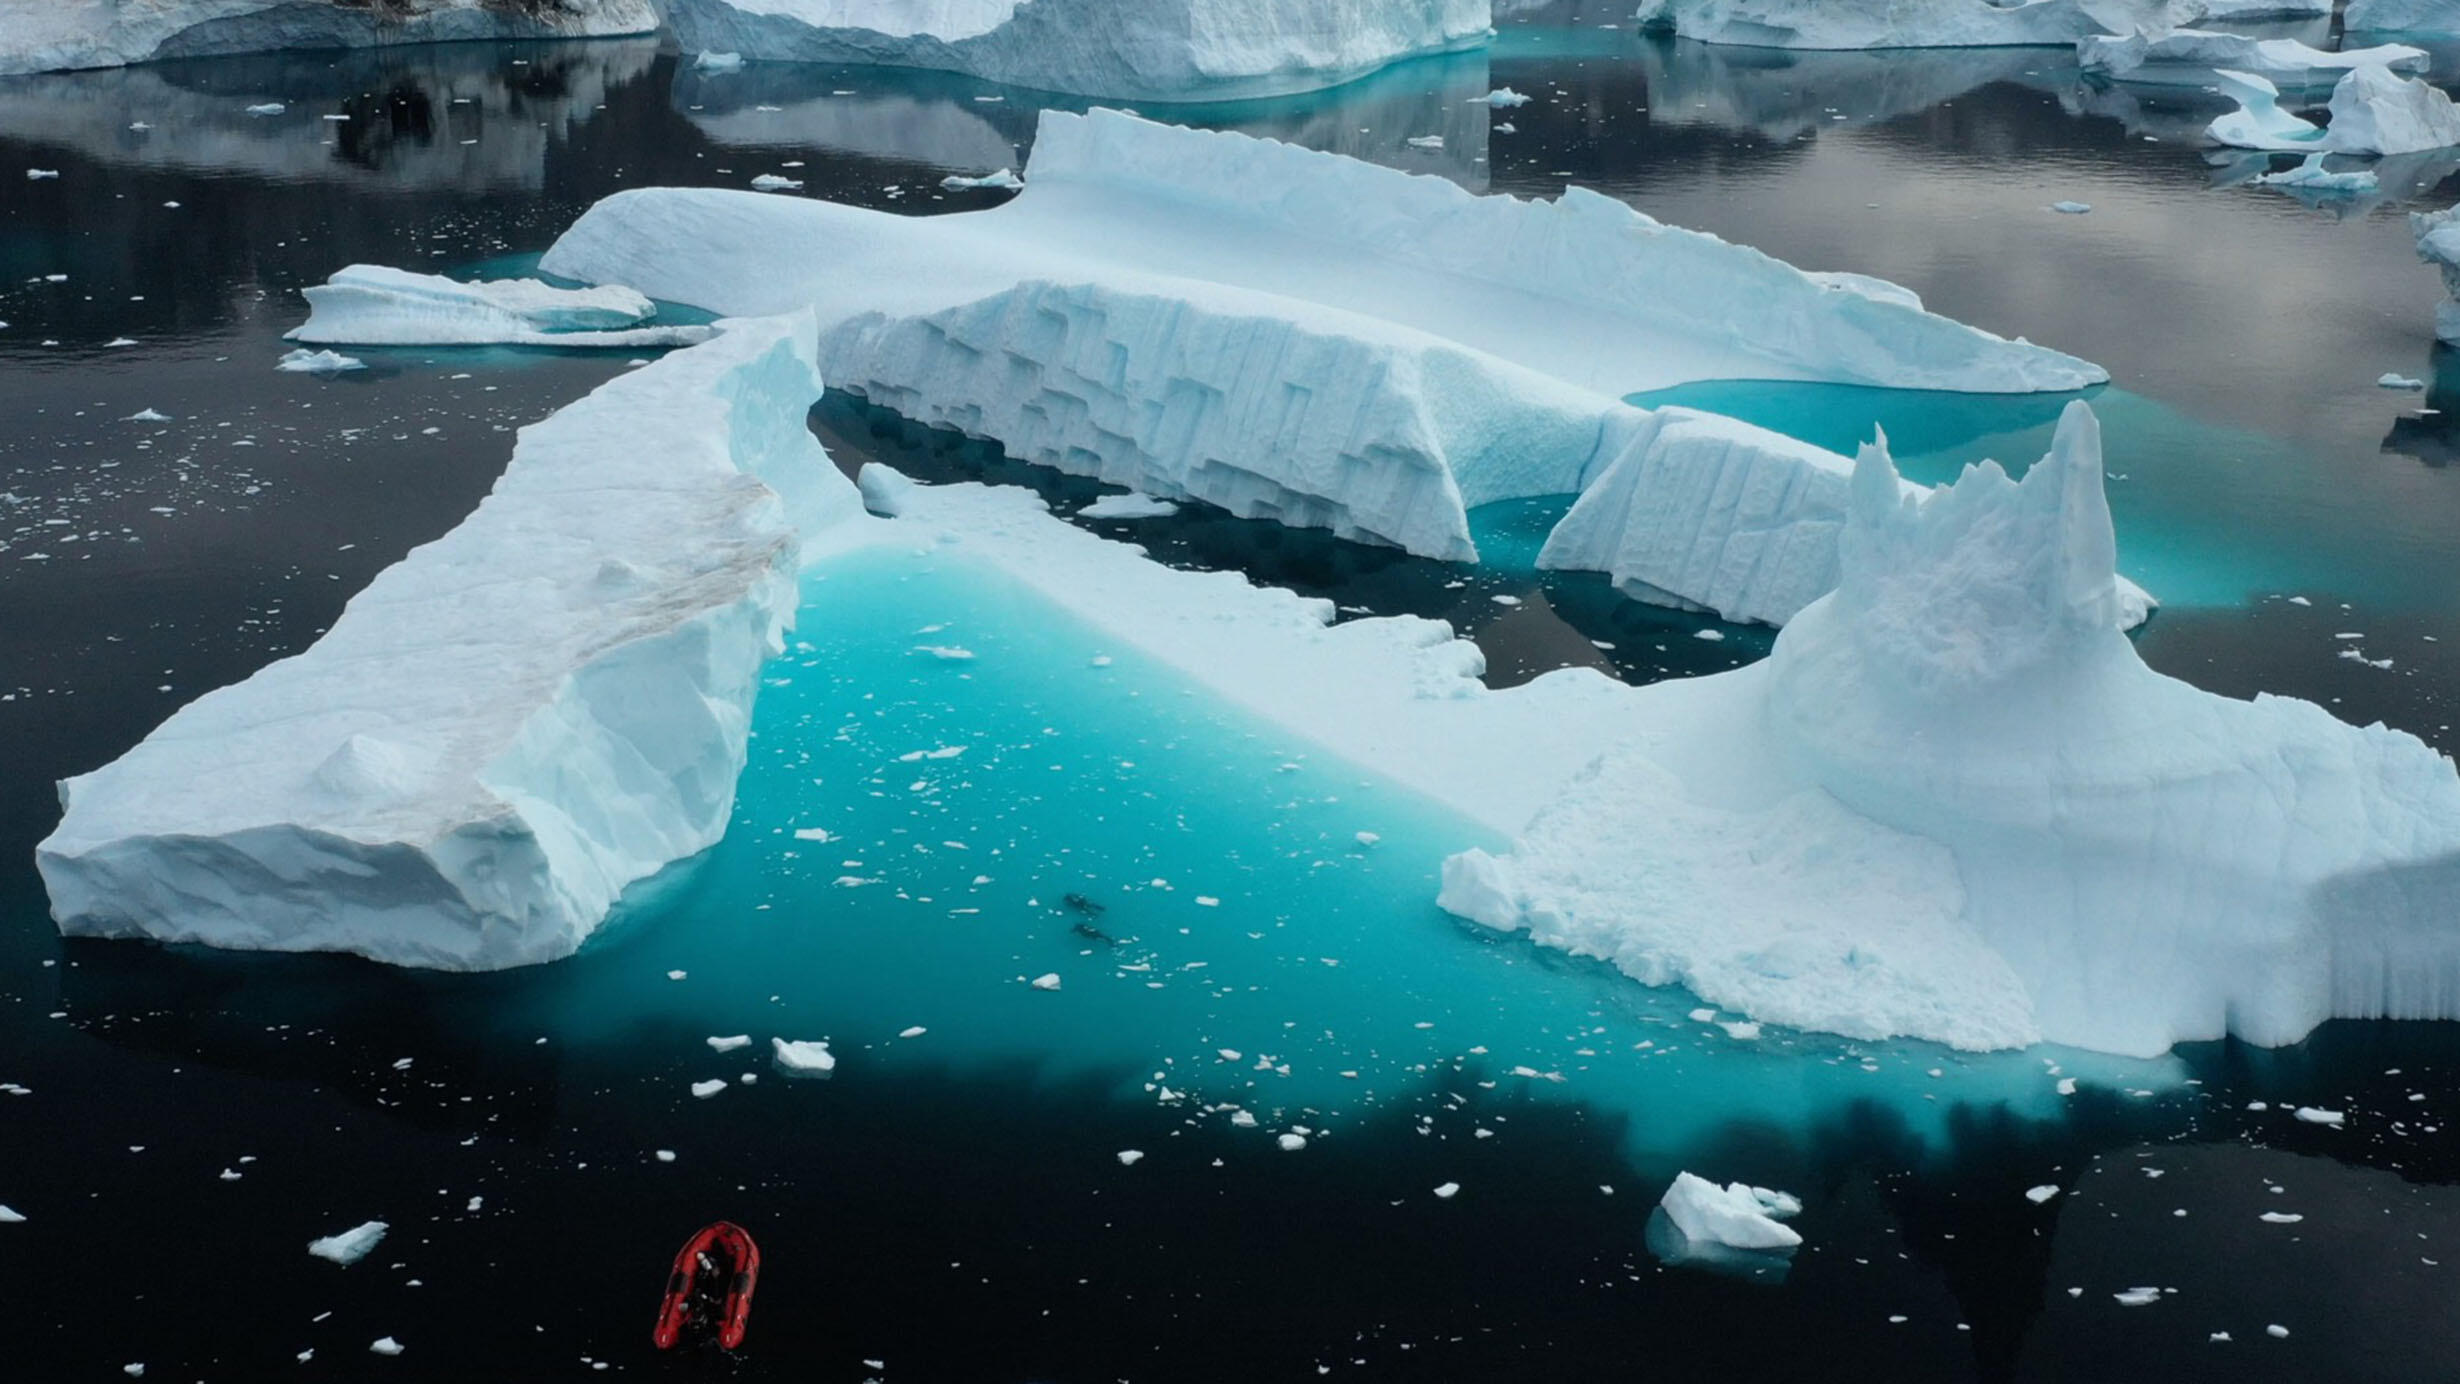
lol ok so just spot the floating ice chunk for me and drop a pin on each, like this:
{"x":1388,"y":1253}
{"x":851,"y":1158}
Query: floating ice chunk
{"x":1047,"y":982}
{"x":1005,"y":178}
{"x":1834,"y":839}
{"x":2315,"y":1115}
{"x":561,"y":740}
{"x":2071,"y":208}
{"x":267,"y":108}
{"x":2038,"y":1195}
{"x":1740,"y":1030}
{"x":703,"y":1090}
{"x":2193,"y":56}
{"x":9,"y":1216}
{"x":1130,"y":1157}
{"x":1367,"y":838}
{"x":371,"y":305}
{"x":916,"y":1031}
{"x":1426,"y":142}
{"x":1291,"y":1143}
{"x":718,"y":62}
{"x":729,"y":1044}
{"x":1448,"y":1191}
{"x":2259,"y":122}
{"x":1736,"y":1216}
{"x":776,"y":182}
{"x":1132,"y":49}
{"x":350,"y":1246}
{"x":307,"y":362}
{"x":2138,"y":1297}
{"x":814,"y":834}
{"x":2392,"y":381}
{"x":2375,"y":111}
{"x":147,"y":415}
{"x":2277,"y":1332}
{"x":1501,"y":98}
{"x":36,"y":175}
{"x":2280,"y":1218}
{"x":1132,"y":505}
{"x":803,"y":1058}
{"x":946,"y":653}
{"x":2311,"y":176}
{"x":386,"y":1345}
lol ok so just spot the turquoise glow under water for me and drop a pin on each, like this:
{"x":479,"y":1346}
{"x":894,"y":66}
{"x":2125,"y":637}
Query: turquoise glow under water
{"x":2208,"y":516}
{"x":912,"y":825}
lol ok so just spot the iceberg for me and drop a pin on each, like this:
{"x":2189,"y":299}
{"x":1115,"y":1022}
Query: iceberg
{"x":1734,"y":1216}
{"x":1131,"y":49}
{"x":2403,"y":16}
{"x":2189,"y":57}
{"x":1583,"y":288}
{"x":57,"y":35}
{"x":1955,"y":804}
{"x":350,"y":1246}
{"x":2374,"y":111}
{"x":2438,"y":244}
{"x":2312,"y":177}
{"x":509,"y":725}
{"x":371,"y":305}
{"x":1829,"y":24}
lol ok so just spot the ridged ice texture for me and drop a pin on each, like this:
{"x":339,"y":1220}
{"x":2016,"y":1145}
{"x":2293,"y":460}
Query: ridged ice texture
{"x":510,"y":724}
{"x":2189,"y":56}
{"x":1841,"y":24}
{"x":2438,"y":244}
{"x":1268,"y":408}
{"x":2404,"y":16}
{"x":1135,"y":49}
{"x":1956,"y":804}
{"x":55,"y":35}
{"x":2374,"y":111}
{"x":373,"y":305}
{"x":1584,"y":247}
{"x":1701,"y":512}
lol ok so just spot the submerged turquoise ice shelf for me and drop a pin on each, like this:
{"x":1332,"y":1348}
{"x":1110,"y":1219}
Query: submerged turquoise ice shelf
{"x":913,"y":822}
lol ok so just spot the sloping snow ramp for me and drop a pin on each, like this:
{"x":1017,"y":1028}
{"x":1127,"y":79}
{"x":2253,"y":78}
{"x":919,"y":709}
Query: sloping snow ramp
{"x":57,"y":35}
{"x":510,"y":724}
{"x":1132,"y":49}
{"x":1955,"y":804}
{"x":1584,"y":289}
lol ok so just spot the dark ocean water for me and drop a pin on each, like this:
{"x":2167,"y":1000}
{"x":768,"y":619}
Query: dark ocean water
{"x":953,"y":1207}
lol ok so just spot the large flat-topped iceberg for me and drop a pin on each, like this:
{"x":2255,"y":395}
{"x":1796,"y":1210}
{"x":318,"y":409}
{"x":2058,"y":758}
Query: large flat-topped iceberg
{"x":1584,"y":289}
{"x":1955,"y":804}
{"x":371,"y":305}
{"x":1135,"y":49}
{"x":1837,"y":24}
{"x":55,"y":35}
{"x":509,"y":725}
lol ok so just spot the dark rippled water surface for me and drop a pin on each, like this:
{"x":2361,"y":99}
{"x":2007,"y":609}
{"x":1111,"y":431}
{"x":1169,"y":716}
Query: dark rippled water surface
{"x":952,"y":1206}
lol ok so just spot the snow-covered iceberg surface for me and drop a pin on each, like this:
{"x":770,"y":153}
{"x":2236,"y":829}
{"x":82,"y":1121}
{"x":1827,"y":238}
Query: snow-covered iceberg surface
{"x":55,"y":35}
{"x":2374,"y":111}
{"x":371,"y":305}
{"x":1735,"y":1216}
{"x":2404,"y":16}
{"x":2189,"y":56}
{"x":509,"y":725}
{"x":1839,"y":24}
{"x":1584,"y":288}
{"x":1955,"y":804}
{"x":1134,"y":49}
{"x":2438,"y":243}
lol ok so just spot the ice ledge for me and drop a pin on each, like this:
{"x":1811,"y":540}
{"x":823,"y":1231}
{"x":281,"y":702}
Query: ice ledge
{"x":509,"y":725}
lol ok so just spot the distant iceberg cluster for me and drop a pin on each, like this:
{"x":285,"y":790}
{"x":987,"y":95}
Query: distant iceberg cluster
{"x":57,"y":35}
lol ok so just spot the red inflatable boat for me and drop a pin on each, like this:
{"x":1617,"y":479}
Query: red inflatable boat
{"x":711,"y":1286}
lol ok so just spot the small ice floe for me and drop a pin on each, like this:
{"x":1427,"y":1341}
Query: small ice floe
{"x":147,"y":415}
{"x":2038,"y":1195}
{"x":303,"y":361}
{"x":2311,"y":176}
{"x":1501,"y":98}
{"x":730,"y":1043}
{"x":351,"y":1245}
{"x":1135,"y":504}
{"x":1703,"y":1016}
{"x":776,"y":182}
{"x":134,"y":1370}
{"x":1448,"y":1191}
{"x":2071,"y":208}
{"x":1427,"y":142}
{"x":719,"y":62}
{"x":677,"y":975}
{"x":1129,"y":1158}
{"x":1291,"y":1143}
{"x":703,"y":1090}
{"x":10,"y":1217}
{"x":947,"y":652}
{"x":2067,"y":1086}
{"x":1367,"y":838}
{"x":1046,"y":982}
{"x":2277,"y":1332}
{"x":916,"y":1031}
{"x":36,"y":175}
{"x":665,"y":1155}
{"x":814,"y":834}
{"x":386,"y":1345}
{"x":117,"y":342}
{"x":1506,"y":128}
{"x":1005,"y":179}
{"x":267,"y":108}
{"x":2315,"y":1115}
{"x":2138,"y":1297}
{"x":2392,"y":381}
{"x":1741,"y":1030}
{"x":2280,"y":1218}
{"x":1736,"y":1216}
{"x":1712,"y":636}
{"x":2218,"y":1338}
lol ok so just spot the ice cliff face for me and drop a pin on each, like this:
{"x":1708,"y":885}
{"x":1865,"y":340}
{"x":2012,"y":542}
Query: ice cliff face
{"x":1910,"y":23}
{"x":1956,"y":804}
{"x":1133,"y":49}
{"x":2438,"y":243}
{"x":2404,"y":16}
{"x":54,"y":35}
{"x":509,"y":725}
{"x":2188,"y":57}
